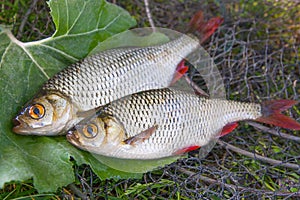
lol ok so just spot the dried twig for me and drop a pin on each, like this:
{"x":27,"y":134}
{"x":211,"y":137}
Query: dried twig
{"x":274,"y":132}
{"x":149,"y":15}
{"x":196,"y":88}
{"x":25,"y":18}
{"x":258,"y":157}
{"x":234,"y":187}
{"x":76,"y":191}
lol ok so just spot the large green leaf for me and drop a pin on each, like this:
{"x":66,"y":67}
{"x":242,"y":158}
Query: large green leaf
{"x":80,"y":26}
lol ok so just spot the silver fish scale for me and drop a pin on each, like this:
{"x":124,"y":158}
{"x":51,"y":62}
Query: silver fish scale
{"x":183,"y":120}
{"x":112,"y":74}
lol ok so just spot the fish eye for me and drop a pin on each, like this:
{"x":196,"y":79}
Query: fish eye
{"x":36,"y":111}
{"x":90,"y":130}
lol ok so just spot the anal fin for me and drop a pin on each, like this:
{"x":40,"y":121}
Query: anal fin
{"x":228,"y":128}
{"x":142,"y":136}
{"x":185,"y":150}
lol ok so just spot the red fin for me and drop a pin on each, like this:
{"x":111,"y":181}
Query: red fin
{"x":181,"y":69}
{"x":228,"y":128}
{"x":210,"y":27}
{"x":205,"y":29}
{"x":142,"y":136}
{"x":196,"y":22}
{"x":271,"y":114}
{"x":186,"y":149}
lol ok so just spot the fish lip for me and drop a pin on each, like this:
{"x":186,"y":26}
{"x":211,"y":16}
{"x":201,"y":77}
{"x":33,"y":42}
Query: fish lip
{"x":16,"y":122}
{"x":19,"y":130}
{"x":19,"y":127}
{"x":72,"y":137}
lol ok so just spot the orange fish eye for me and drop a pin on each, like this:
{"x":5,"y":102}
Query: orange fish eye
{"x":90,"y":130}
{"x":36,"y":111}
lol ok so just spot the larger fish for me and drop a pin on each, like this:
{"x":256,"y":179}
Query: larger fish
{"x":161,"y":123}
{"x":100,"y":79}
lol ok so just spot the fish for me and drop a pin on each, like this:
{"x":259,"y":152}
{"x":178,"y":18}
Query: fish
{"x":166,"y":122}
{"x":99,"y":79}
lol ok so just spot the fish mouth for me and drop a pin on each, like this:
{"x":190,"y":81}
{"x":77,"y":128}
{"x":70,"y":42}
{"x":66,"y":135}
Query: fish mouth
{"x":19,"y":127}
{"x":73,"y":138}
{"x":16,"y":122}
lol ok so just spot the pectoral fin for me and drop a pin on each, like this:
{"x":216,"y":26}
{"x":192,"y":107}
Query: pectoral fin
{"x":142,"y":136}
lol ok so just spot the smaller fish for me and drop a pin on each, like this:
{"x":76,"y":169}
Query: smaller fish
{"x":161,"y":123}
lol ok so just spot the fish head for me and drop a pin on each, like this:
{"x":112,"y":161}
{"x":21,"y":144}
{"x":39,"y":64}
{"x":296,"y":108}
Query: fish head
{"x":88,"y":133}
{"x":47,"y":114}
{"x":97,"y":134}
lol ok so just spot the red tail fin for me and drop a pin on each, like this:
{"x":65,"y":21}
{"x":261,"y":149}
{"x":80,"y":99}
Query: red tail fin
{"x":205,"y":29}
{"x":210,"y":27}
{"x":271,"y":111}
{"x":197,"y":22}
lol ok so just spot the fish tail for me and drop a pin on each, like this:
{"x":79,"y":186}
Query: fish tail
{"x":204,"y":28}
{"x":271,"y":114}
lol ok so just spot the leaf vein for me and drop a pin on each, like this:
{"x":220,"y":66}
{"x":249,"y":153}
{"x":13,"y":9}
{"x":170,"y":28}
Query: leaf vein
{"x":99,"y":18}
{"x":35,"y":62}
{"x":72,"y":35}
{"x":67,"y":7}
{"x":112,"y":21}
{"x":4,"y":54}
{"x":59,"y":51}
{"x":76,"y":20}
{"x":23,"y":46}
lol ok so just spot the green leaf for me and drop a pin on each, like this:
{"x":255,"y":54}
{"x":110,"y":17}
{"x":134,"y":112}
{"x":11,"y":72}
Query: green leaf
{"x":135,"y":166}
{"x":24,"y":67}
{"x":140,"y":37}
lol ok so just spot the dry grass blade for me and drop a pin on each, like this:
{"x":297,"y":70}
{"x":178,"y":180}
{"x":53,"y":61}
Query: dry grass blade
{"x":230,"y":186}
{"x":258,"y":157}
{"x":25,"y":18}
{"x":274,"y":132}
{"x":77,"y":191}
{"x":149,"y":14}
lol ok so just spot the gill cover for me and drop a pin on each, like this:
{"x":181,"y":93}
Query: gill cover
{"x":99,"y":134}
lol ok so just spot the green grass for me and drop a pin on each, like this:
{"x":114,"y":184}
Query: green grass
{"x":23,"y":191}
